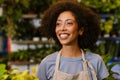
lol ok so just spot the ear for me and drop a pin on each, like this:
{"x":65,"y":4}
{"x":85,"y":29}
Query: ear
{"x":81,"y":30}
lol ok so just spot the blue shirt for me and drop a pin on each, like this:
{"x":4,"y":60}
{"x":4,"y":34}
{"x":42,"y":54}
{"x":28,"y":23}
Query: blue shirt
{"x":71,"y":66}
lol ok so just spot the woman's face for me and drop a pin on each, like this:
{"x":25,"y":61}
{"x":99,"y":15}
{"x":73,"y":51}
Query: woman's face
{"x":67,"y":28}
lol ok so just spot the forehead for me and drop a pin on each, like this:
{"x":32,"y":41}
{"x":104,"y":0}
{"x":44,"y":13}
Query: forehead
{"x":66,"y":15}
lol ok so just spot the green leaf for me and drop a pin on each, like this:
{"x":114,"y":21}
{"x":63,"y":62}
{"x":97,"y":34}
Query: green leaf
{"x":2,"y":70}
{"x":1,"y":1}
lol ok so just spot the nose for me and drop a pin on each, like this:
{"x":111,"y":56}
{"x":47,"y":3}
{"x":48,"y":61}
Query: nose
{"x":63,"y":27}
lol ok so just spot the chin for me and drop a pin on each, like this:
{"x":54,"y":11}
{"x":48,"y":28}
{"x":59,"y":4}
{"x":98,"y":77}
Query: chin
{"x":65,"y":43}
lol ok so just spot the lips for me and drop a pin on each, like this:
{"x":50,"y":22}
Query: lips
{"x":64,"y":36}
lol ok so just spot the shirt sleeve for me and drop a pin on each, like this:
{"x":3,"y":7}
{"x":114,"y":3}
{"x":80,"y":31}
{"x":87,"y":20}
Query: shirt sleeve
{"x":41,"y":71}
{"x":102,"y":70}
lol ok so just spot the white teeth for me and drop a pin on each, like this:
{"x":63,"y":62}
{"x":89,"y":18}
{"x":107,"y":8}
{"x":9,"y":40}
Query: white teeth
{"x":64,"y":36}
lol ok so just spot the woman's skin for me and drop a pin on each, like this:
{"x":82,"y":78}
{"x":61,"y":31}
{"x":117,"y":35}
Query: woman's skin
{"x":67,"y":32}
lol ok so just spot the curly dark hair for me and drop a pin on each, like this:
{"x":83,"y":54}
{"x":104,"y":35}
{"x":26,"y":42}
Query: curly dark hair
{"x":85,"y":18}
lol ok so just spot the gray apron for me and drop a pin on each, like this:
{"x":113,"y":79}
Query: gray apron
{"x":83,"y":75}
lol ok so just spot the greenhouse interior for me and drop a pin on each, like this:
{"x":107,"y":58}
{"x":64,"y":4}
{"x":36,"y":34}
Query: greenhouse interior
{"x":23,"y":47}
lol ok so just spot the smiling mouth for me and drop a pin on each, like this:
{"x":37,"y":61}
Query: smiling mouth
{"x":64,"y":36}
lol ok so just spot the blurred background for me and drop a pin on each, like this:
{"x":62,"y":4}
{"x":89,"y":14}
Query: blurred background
{"x":22,"y":46}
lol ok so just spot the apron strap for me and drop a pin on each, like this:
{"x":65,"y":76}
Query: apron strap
{"x":94,"y":75}
{"x":57,"y":61}
{"x":85,"y":62}
{"x":85,"y":65}
{"x":57,"y":64}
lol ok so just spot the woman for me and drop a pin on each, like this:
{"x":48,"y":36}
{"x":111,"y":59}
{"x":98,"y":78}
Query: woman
{"x":74,"y":28}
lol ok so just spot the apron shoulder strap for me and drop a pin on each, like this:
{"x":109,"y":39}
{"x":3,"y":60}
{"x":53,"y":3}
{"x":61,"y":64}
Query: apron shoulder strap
{"x":86,"y":64}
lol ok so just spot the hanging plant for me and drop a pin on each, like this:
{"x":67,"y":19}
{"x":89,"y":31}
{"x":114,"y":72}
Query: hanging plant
{"x":10,"y":28}
{"x":103,"y":6}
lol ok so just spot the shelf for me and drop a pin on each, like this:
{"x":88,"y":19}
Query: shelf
{"x":110,"y":38}
{"x":29,"y":16}
{"x":33,"y":42}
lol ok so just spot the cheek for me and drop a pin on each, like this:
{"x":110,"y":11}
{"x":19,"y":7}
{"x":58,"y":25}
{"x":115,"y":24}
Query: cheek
{"x":73,"y":30}
{"x":56,"y":30}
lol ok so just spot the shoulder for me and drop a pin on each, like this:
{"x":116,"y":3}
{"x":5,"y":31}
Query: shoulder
{"x":95,"y":59}
{"x":93,"y":56}
{"x":50,"y":58}
{"x":98,"y":64}
{"x":46,"y":66}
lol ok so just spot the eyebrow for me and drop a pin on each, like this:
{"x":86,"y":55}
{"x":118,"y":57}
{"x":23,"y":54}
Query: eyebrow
{"x":66,"y":20}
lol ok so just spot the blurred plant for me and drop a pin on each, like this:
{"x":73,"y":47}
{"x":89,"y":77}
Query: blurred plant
{"x":39,"y":53}
{"x":20,"y":55}
{"x":36,"y":55}
{"x":107,"y":26}
{"x":3,"y":72}
{"x":103,"y":6}
{"x":107,"y":7}
{"x":107,"y":50}
{"x":14,"y":74}
{"x":10,"y":29}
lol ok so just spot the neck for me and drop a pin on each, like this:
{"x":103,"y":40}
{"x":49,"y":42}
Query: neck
{"x":71,"y":52}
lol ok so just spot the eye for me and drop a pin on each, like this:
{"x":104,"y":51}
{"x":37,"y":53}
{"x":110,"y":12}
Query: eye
{"x":69,"y":23}
{"x":58,"y":24}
